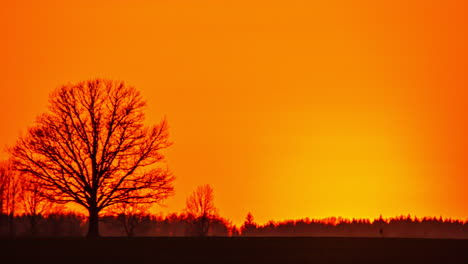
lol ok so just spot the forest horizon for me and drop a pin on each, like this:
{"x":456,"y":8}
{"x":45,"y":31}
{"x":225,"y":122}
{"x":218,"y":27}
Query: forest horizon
{"x":305,"y":110}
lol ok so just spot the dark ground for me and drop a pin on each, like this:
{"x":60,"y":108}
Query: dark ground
{"x":233,"y":250}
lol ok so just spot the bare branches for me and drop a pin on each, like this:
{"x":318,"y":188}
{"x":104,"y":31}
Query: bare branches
{"x":130,"y":215}
{"x":92,"y":148}
{"x":200,"y":207}
{"x":10,"y":194}
{"x":34,"y":203}
{"x":10,"y":187}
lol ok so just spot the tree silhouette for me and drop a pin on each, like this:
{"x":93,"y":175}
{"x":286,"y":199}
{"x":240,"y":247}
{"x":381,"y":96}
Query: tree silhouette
{"x":34,"y":204}
{"x":249,"y":220}
{"x":93,"y":149}
{"x":130,"y":215}
{"x":11,"y":197}
{"x":201,"y":210}
{"x":3,"y":186}
{"x":249,"y":225}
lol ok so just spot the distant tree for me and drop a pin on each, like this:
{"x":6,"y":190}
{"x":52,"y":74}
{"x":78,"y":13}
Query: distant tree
{"x":249,"y":225}
{"x":35,"y":205}
{"x":234,"y":231}
{"x":92,"y":148}
{"x":3,"y":185}
{"x":201,"y":209}
{"x":11,"y":194}
{"x":130,"y":215}
{"x":249,"y":220}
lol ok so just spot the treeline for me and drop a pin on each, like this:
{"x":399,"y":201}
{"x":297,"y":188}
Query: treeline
{"x":75,"y":225}
{"x":403,"y":226}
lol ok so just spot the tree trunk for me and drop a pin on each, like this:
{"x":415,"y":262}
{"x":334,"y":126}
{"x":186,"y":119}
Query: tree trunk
{"x":11,"y":225}
{"x":33,"y":224}
{"x":93,"y":223}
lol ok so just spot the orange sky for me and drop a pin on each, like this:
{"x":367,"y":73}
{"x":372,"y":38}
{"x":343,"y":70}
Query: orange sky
{"x":289,"y":109}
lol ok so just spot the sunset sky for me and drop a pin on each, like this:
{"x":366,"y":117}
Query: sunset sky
{"x":289,"y":109}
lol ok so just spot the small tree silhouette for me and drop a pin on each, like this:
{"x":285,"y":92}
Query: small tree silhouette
{"x":249,"y":225}
{"x":249,"y":220}
{"x":130,"y":215}
{"x":34,"y":204}
{"x":11,"y":196}
{"x":201,"y":210}
{"x":93,"y":149}
{"x":3,"y":186}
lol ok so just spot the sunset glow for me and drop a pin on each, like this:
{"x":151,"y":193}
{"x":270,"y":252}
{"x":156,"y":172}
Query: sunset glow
{"x":288,"y":109}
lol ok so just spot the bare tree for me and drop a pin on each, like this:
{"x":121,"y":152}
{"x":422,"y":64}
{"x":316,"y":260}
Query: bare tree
{"x":11,"y":194}
{"x":92,"y":148}
{"x":201,"y":210}
{"x":4,"y":178}
{"x":34,"y":204}
{"x":130,"y":215}
{"x":3,"y":184}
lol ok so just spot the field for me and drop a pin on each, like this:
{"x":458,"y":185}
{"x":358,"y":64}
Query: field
{"x":239,"y":250}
